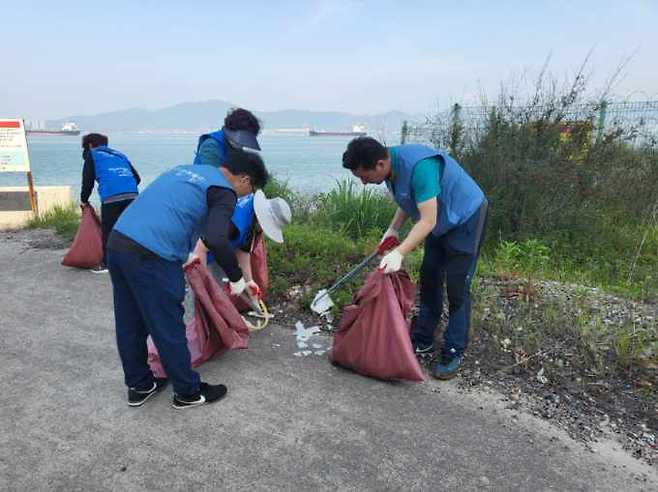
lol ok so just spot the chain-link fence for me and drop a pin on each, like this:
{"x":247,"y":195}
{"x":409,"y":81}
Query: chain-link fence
{"x":638,"y":120}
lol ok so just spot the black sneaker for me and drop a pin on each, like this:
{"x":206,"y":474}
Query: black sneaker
{"x":208,"y":393}
{"x":102,"y":268}
{"x":423,"y":350}
{"x":136,"y":398}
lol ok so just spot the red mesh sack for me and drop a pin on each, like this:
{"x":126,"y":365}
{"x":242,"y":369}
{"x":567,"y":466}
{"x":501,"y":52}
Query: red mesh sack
{"x":258,"y":271}
{"x":373,"y":334}
{"x":87,"y":248}
{"x":216,"y":327}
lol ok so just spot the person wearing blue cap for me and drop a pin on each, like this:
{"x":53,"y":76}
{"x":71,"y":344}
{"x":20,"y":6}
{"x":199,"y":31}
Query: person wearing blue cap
{"x":240,"y":130}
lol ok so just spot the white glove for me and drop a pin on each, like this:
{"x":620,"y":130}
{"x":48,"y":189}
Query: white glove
{"x":238,"y":287}
{"x":392,"y":262}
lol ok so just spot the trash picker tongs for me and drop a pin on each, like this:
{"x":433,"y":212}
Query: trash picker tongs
{"x":321,"y":307}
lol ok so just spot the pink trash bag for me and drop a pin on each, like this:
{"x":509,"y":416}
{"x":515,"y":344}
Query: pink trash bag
{"x":373,"y":335}
{"x":216,"y":327}
{"x":87,"y":248}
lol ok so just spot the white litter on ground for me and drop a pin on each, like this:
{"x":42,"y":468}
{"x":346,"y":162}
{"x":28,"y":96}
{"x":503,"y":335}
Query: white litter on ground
{"x":303,"y":336}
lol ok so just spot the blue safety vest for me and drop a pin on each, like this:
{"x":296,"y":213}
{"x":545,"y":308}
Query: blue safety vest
{"x":113,"y":173}
{"x":217,"y":136}
{"x":460,"y":195}
{"x":242,"y":219}
{"x":169,"y":216}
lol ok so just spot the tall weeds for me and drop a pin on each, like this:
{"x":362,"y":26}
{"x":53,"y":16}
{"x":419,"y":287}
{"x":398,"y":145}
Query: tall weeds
{"x":355,"y":210}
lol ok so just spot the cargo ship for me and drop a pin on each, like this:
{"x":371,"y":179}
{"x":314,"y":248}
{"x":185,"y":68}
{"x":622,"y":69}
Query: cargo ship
{"x":357,"y":131}
{"x":67,"y":129}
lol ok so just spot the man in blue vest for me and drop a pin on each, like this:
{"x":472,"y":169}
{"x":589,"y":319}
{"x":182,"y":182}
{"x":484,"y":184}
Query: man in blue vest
{"x":117,"y":183}
{"x":146,"y":251}
{"x":240,"y":130}
{"x":449,"y":210}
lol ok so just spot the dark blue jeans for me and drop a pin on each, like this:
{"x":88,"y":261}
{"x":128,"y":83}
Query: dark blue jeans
{"x":452,"y":258}
{"x":148,"y":299}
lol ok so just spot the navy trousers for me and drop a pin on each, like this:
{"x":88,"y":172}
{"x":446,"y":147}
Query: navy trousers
{"x":451,"y":258}
{"x":148,"y":300}
{"x":110,"y":213}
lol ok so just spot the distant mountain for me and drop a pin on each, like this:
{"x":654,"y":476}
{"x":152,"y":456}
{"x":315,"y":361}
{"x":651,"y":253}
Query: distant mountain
{"x":200,"y":116}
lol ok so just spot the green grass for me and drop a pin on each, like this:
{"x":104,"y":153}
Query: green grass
{"x":313,"y":257}
{"x":332,"y":232}
{"x":341,"y":227}
{"x":63,"y":219}
{"x":617,"y":265}
{"x":354,"y":210}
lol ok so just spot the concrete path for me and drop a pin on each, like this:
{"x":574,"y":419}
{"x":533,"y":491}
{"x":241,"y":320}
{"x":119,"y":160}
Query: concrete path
{"x":289,"y":422}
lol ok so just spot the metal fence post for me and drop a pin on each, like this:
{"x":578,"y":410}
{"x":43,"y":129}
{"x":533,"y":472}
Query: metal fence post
{"x":456,"y":129}
{"x":404,"y":133}
{"x":601,"y":124}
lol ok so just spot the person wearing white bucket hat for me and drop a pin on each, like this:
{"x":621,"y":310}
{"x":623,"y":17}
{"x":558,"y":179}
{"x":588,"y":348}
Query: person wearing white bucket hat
{"x":271,"y":216}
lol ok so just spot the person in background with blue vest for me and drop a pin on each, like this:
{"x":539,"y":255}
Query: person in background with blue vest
{"x":240,"y":130}
{"x":146,"y":252}
{"x":449,"y":210}
{"x":117,"y":183}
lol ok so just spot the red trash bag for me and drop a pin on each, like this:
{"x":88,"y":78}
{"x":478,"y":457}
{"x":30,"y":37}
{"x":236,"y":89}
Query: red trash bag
{"x":373,"y":334}
{"x":216,"y":327}
{"x":87,"y":248}
{"x":258,"y":270}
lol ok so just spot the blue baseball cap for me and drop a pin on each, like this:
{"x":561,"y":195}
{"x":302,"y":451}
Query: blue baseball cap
{"x":241,"y":138}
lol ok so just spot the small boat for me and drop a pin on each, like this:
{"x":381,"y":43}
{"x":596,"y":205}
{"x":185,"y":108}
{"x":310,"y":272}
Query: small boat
{"x":357,"y":131}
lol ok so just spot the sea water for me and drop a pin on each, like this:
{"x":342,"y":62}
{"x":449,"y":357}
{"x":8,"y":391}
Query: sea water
{"x":308,"y":164}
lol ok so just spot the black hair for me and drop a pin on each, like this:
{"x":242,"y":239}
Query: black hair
{"x":241,"y":119}
{"x":249,"y":163}
{"x":363,"y":152}
{"x":94,"y":140}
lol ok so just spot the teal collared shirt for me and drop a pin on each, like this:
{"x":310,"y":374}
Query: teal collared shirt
{"x":425,"y":179}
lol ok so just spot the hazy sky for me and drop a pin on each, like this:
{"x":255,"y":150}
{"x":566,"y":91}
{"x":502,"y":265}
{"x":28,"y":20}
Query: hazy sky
{"x":66,"y":57}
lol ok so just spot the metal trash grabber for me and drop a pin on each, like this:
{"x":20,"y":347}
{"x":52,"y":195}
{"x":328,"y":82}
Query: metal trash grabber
{"x":322,"y":307}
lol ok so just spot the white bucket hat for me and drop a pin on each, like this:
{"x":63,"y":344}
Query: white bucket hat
{"x":272,"y":215}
